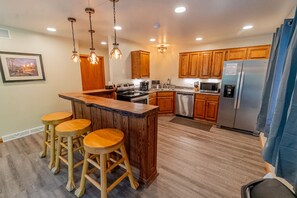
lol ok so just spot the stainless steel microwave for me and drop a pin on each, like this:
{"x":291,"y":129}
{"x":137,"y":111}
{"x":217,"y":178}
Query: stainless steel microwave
{"x":209,"y":87}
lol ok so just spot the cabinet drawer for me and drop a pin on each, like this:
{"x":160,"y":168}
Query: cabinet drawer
{"x":152,"y":95}
{"x":200,"y":96}
{"x":165,"y":94}
{"x":212,"y":98}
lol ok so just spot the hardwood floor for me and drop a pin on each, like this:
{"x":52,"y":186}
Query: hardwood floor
{"x":191,"y":163}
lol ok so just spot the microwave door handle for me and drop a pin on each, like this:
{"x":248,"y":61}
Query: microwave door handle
{"x":237,"y":85}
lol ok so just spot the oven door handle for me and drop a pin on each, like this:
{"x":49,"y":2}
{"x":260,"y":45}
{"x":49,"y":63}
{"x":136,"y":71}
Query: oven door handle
{"x":139,"y":98}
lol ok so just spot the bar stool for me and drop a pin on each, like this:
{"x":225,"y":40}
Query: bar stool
{"x":50,"y":121}
{"x":71,"y":130}
{"x":101,"y":143}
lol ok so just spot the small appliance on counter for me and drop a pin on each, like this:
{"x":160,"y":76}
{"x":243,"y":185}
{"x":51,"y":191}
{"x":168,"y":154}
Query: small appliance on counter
{"x":156,"y":84}
{"x":196,"y":86}
{"x":144,"y":86}
{"x":209,"y":87}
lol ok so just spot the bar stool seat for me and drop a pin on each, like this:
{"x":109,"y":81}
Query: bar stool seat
{"x":101,"y":143}
{"x":50,"y":121}
{"x":73,"y":131}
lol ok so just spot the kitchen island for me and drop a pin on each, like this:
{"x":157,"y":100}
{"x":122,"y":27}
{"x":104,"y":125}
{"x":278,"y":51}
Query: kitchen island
{"x":139,"y":122}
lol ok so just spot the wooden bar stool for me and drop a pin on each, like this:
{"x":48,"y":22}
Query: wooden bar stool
{"x":71,"y":130}
{"x":101,"y":143}
{"x":50,"y":121}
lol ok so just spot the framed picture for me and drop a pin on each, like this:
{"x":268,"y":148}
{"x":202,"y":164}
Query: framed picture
{"x":17,"y":67}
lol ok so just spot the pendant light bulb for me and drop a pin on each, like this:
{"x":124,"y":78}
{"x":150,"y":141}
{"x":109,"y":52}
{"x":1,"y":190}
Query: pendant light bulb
{"x":116,"y":52}
{"x":75,"y":57}
{"x":93,"y":58}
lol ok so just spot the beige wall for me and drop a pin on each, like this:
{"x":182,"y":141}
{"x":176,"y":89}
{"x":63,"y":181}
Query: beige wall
{"x":120,"y":70}
{"x":22,"y":104}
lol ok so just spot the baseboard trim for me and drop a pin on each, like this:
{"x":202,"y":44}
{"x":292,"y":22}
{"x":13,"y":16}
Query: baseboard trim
{"x":21,"y":134}
{"x":262,"y":142}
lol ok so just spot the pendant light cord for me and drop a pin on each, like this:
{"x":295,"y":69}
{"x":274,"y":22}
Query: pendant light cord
{"x":115,"y":22}
{"x":73,"y":40}
{"x":91,"y":31}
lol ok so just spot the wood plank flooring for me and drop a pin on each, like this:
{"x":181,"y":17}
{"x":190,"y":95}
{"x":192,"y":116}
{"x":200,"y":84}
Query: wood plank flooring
{"x":191,"y":163}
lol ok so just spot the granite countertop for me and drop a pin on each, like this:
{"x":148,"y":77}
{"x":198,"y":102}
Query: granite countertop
{"x":108,"y":103}
{"x":185,"y":90}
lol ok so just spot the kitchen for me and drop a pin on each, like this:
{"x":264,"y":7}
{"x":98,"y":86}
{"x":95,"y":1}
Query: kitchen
{"x":24,"y":103}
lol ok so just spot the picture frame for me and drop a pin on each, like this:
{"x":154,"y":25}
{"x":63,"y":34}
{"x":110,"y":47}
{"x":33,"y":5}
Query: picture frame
{"x":21,"y":67}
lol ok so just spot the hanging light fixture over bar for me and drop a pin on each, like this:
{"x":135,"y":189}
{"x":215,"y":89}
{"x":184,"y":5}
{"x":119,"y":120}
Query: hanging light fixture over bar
{"x":93,"y":58}
{"x":115,"y":52}
{"x":75,"y":56}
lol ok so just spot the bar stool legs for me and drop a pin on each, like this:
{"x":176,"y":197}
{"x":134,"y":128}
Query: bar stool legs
{"x":70,"y":184}
{"x":44,"y":149}
{"x":81,"y":190}
{"x":134,"y":184}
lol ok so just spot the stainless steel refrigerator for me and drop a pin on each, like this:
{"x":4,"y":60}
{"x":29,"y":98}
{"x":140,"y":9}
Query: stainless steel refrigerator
{"x":241,"y":92}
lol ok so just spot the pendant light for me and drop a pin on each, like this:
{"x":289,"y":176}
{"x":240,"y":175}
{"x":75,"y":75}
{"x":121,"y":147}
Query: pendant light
{"x":115,"y":52}
{"x":93,"y":58}
{"x":75,"y":56}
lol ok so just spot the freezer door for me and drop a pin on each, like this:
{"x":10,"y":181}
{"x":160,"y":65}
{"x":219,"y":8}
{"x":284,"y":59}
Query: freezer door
{"x":250,"y":93}
{"x":229,"y":93}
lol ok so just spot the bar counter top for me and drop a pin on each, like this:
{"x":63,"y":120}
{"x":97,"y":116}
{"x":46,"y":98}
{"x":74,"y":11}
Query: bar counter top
{"x":92,"y":98}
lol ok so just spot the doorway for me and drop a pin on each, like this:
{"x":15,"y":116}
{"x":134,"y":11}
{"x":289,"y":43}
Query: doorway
{"x":92,"y":76}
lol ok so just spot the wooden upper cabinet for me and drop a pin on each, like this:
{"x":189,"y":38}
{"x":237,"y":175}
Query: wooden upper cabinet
{"x":205,"y":67}
{"x":140,"y":64}
{"x":236,"y":54}
{"x":194,"y":63}
{"x":259,"y":52}
{"x":183,"y":65}
{"x":218,"y":63}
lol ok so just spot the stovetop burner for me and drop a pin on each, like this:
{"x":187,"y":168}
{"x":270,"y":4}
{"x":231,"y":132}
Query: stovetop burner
{"x":131,"y":94}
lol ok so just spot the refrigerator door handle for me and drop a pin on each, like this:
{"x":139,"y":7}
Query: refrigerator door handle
{"x":237,"y":85}
{"x":240,"y":90}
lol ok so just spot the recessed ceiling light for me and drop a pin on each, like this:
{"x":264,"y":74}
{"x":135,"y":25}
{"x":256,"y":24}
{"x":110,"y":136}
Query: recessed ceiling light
{"x":117,"y":27}
{"x":152,"y":39}
{"x":199,"y":39}
{"x":103,"y":43}
{"x":50,"y":29}
{"x":180,"y":9}
{"x":247,"y":27}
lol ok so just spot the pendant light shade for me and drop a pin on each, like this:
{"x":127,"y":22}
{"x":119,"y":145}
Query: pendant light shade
{"x":75,"y":55}
{"x":93,"y":58}
{"x":115,"y":52}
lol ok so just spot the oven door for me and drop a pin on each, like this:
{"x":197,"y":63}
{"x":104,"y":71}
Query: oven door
{"x":141,"y":99}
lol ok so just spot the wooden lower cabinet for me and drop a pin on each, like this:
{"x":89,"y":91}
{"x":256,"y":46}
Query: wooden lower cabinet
{"x":153,"y":99}
{"x":165,"y":101}
{"x":206,"y":107}
{"x":199,"y":111}
{"x":211,"y":112}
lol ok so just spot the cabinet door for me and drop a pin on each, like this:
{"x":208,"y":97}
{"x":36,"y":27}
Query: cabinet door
{"x":236,"y":54}
{"x":217,"y":63}
{"x":183,"y":65}
{"x":165,"y":104}
{"x":205,"y":67}
{"x":199,"y":111}
{"x":194,"y":63}
{"x":145,"y":64}
{"x":211,"y":110}
{"x":153,"y":101}
{"x":135,"y":61}
{"x":260,"y":52}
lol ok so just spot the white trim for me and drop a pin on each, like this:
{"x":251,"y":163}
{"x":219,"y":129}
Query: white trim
{"x":21,"y":134}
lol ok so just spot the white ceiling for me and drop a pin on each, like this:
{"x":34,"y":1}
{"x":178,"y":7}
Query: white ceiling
{"x":211,"y":19}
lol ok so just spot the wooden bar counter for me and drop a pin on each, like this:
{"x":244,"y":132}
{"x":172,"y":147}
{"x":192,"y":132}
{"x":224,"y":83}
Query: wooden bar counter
{"x":139,"y":122}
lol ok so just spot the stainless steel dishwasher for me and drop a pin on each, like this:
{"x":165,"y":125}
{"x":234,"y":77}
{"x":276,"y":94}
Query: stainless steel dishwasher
{"x":184,"y":104}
